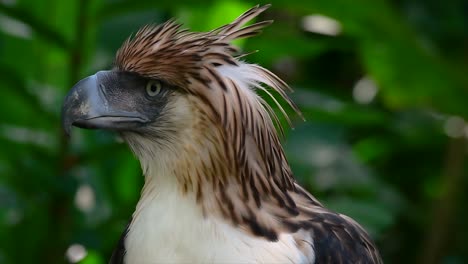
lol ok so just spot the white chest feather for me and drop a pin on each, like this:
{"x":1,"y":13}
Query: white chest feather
{"x":169,"y":228}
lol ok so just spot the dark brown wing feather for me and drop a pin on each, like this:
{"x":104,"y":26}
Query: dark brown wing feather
{"x":339,"y":240}
{"x":119,"y":252}
{"x":334,"y":237}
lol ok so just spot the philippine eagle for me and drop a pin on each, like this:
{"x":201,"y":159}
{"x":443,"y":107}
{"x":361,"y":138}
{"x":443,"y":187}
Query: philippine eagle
{"x":218,"y":187}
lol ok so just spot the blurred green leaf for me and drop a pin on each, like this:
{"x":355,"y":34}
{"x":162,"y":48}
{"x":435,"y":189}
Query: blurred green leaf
{"x":93,"y":257}
{"x":127,"y":181}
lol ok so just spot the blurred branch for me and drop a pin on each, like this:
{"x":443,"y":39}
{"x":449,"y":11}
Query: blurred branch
{"x":76,"y":53}
{"x":60,"y":207}
{"x":36,"y":24}
{"x":439,"y":237}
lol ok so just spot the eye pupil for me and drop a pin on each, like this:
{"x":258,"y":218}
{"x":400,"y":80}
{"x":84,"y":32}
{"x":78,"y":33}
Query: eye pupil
{"x":153,"y":88}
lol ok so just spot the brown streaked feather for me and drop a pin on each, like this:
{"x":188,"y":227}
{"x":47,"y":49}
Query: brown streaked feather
{"x":246,"y":179}
{"x":241,"y":20}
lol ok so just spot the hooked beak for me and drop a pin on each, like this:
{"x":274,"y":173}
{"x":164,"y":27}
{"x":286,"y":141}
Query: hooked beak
{"x":87,"y":106}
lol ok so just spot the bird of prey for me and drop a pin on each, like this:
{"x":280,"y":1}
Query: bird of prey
{"x":218,"y":187}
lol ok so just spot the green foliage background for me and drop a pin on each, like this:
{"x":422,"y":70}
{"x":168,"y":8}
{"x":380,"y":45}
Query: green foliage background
{"x":397,"y":164}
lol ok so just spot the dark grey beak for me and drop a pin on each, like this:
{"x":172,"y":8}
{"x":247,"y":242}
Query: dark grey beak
{"x":87,"y":106}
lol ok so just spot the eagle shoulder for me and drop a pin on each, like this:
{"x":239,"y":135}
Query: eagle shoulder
{"x":339,"y":239}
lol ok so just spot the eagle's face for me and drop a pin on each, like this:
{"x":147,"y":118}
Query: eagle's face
{"x":126,"y":102}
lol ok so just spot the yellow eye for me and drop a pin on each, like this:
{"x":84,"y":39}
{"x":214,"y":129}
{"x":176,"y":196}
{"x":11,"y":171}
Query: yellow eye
{"x":153,"y":88}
